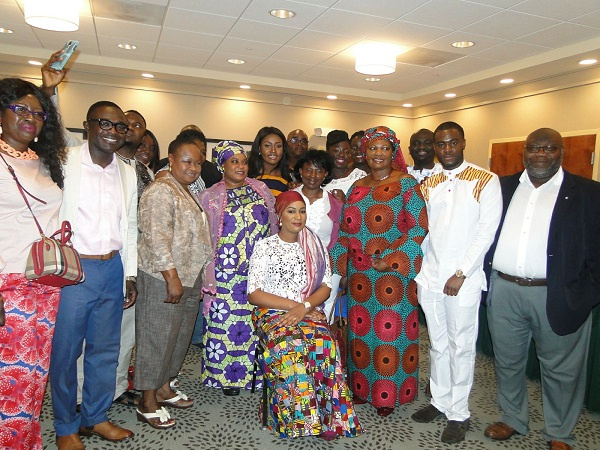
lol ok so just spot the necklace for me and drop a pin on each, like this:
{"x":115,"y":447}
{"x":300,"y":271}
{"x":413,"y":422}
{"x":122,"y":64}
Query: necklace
{"x":380,"y":179}
{"x":29,"y":154}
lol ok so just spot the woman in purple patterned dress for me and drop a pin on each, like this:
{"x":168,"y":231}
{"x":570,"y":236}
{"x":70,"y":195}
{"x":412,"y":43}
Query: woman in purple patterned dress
{"x":241,"y":212}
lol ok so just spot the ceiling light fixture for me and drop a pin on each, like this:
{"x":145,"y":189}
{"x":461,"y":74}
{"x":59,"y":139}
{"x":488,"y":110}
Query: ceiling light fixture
{"x":147,"y":75}
{"x":236,"y":61}
{"x":244,"y":86}
{"x":407,"y":105}
{"x":332,"y":97}
{"x":127,"y":46}
{"x":376,"y":58}
{"x":450,"y":95}
{"x":463,"y":44}
{"x":6,"y":30}
{"x":57,"y":15}
{"x":587,"y":62}
{"x":282,"y":13}
{"x":506,"y":80}
{"x":372,"y":79}
{"x":35,"y":63}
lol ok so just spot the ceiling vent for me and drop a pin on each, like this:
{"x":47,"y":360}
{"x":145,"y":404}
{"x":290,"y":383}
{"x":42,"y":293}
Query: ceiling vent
{"x":129,"y":11}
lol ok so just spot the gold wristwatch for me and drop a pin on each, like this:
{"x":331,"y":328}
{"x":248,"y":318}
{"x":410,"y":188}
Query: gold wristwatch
{"x":459,"y":274}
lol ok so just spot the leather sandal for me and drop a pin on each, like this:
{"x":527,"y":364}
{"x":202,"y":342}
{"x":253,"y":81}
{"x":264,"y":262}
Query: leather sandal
{"x":163,"y":416}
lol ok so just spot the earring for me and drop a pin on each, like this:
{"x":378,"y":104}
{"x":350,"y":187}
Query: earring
{"x":35,"y":139}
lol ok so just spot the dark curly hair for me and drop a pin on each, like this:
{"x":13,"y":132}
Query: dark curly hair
{"x":320,"y":159}
{"x":255,"y":161}
{"x":51,"y":143}
{"x":156,"y":157}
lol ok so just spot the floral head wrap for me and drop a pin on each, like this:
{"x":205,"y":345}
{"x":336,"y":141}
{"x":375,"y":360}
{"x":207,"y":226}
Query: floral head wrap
{"x":225,"y":150}
{"x":381,"y":132}
{"x":311,"y":245}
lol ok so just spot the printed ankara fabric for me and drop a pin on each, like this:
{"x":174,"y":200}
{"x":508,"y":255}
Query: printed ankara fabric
{"x":229,"y":340}
{"x":25,"y":345}
{"x":307,"y":392}
{"x":390,"y":221}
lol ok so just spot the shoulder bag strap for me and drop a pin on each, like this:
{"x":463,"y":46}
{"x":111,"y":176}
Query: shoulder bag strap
{"x":23,"y":191}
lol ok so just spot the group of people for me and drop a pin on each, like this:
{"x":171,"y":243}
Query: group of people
{"x":240,"y":250}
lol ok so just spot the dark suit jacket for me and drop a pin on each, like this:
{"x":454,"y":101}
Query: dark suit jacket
{"x":573,"y":254}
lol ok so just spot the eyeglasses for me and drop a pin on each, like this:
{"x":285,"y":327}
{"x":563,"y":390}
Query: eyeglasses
{"x":23,"y":111}
{"x":537,"y":148}
{"x":106,"y":124}
{"x":296,"y":140}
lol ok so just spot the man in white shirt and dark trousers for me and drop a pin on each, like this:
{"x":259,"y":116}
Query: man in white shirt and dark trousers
{"x":464,"y":204}
{"x":100,"y":201}
{"x":423,"y":154}
{"x":544,"y":283}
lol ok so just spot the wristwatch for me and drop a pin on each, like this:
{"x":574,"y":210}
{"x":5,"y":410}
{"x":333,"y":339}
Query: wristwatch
{"x":134,"y":279}
{"x":307,"y":305}
{"x":459,"y":274}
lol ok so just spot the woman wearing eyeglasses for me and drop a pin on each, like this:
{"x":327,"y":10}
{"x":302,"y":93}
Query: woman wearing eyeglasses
{"x":31,"y":142}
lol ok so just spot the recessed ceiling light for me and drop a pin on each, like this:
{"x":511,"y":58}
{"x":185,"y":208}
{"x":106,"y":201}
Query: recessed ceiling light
{"x":332,"y":97}
{"x":506,"y":80}
{"x":244,"y":86}
{"x":236,"y":61}
{"x":450,"y":95}
{"x":407,"y":105}
{"x":147,"y":75}
{"x":35,"y":63}
{"x":127,"y":46}
{"x":463,"y":44}
{"x":6,"y":30}
{"x":282,"y":13}
{"x":372,"y":79}
{"x":587,"y":62}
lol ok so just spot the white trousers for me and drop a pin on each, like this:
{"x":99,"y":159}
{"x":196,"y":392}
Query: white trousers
{"x":452,"y":324}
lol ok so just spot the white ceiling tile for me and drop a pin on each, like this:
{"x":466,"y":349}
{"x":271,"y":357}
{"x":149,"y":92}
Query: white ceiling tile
{"x":247,"y":48}
{"x":409,"y":34}
{"x":218,"y":61}
{"x":305,"y":13}
{"x":201,"y":41}
{"x":453,"y":14}
{"x":262,"y":32}
{"x":232,"y":8}
{"x":591,"y":20}
{"x":275,"y":68}
{"x":560,"y":35}
{"x":325,"y":42}
{"x":481,"y":43}
{"x":346,"y":23}
{"x":510,"y":25}
{"x":126,"y":30}
{"x":144,"y":50}
{"x":326,"y":75}
{"x":193,"y":57}
{"x":498,"y":3}
{"x":182,"y":19}
{"x":300,"y":55}
{"x":340,"y":61}
{"x":561,"y":10}
{"x":21,"y":30}
{"x":512,"y":51}
{"x":470,"y":64}
{"x":88,"y":43}
{"x":390,"y":9}
{"x":325,"y":3}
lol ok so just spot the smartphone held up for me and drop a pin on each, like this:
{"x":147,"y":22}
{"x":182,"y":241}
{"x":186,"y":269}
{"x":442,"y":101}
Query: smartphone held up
{"x":69,"y":48}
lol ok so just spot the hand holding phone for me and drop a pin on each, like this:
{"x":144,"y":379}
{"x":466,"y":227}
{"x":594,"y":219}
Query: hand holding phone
{"x":69,"y":48}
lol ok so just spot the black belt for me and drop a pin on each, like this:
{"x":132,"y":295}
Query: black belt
{"x":529,"y":282}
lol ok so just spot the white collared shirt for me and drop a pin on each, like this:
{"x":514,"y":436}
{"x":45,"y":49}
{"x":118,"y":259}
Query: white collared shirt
{"x":423,"y":173}
{"x":99,"y":209}
{"x":464,"y":206}
{"x":523,"y":241}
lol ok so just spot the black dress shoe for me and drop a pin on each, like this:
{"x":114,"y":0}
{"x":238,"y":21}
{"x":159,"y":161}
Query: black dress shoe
{"x":231,"y":391}
{"x":426,"y":414}
{"x":455,"y":431}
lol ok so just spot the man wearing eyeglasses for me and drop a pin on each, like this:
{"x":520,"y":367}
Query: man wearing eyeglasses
{"x":100,"y":202}
{"x":463,"y":206}
{"x":545,"y":280}
{"x":297,"y":141}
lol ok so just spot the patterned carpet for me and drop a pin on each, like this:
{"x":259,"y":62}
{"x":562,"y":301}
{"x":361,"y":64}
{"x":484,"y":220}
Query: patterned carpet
{"x":217,"y":422}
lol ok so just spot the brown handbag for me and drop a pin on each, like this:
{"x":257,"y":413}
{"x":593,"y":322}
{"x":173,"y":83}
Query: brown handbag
{"x":52,"y":260}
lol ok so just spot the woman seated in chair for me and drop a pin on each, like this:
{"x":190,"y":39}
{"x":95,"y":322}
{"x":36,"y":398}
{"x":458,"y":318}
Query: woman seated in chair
{"x":288,"y":280}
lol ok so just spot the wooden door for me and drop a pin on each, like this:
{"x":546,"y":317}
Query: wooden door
{"x":507,"y":157}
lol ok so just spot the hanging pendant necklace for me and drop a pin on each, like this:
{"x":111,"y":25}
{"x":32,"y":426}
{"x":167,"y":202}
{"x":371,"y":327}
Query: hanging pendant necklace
{"x":380,"y":179}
